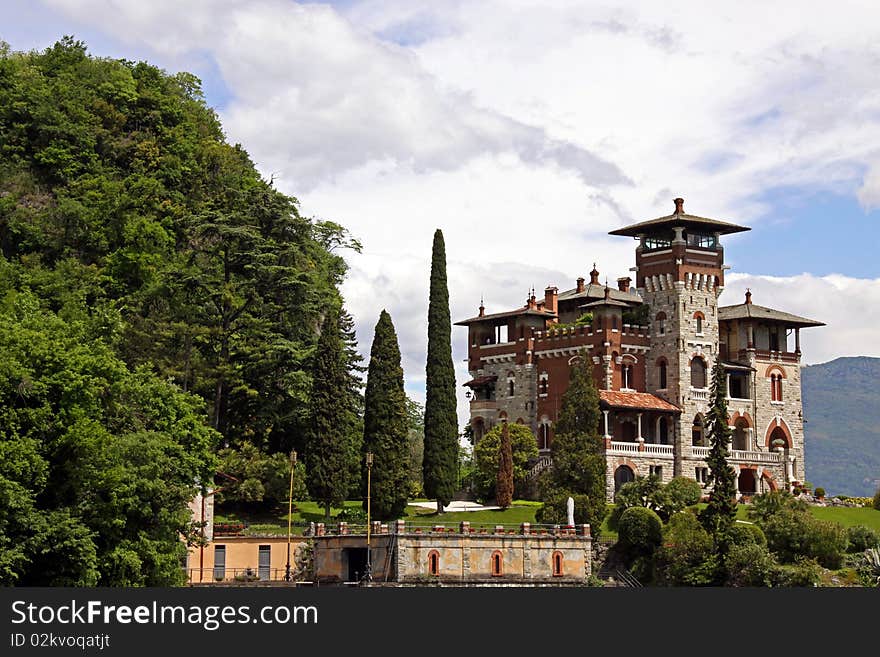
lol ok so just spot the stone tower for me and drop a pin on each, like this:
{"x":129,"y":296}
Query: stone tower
{"x":679,"y":274}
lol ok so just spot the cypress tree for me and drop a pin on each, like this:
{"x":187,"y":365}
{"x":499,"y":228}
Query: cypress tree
{"x":327,"y":450}
{"x":719,"y":515}
{"x":385,"y":425}
{"x":439,"y":465}
{"x":504,"y":484}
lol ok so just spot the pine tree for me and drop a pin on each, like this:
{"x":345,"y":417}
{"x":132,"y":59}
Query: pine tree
{"x":504,"y":485}
{"x":327,"y":450}
{"x":385,"y":424}
{"x":354,"y":401}
{"x":439,"y":466}
{"x":719,"y":515}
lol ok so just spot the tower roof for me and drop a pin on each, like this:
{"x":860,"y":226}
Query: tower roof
{"x":754,"y":311}
{"x":680,"y":218}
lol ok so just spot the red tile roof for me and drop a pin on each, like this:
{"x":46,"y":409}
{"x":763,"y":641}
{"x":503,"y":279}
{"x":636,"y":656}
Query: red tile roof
{"x":642,"y":401}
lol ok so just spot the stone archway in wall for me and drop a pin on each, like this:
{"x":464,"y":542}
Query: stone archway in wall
{"x":747,"y":483}
{"x":769,"y":481}
{"x":778,"y":430}
{"x":622,"y":475}
{"x":740,"y":438}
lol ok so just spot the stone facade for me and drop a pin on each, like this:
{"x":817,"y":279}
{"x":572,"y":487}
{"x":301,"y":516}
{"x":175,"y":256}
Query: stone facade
{"x":456,"y":555}
{"x":654,"y":375}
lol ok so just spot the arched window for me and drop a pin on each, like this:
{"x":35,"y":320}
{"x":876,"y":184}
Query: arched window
{"x":626,"y":376}
{"x":699,"y":325}
{"x":434,"y":563}
{"x":502,"y":416}
{"x":776,"y":387}
{"x":740,"y":434}
{"x":661,"y":370}
{"x":698,"y":432}
{"x":660,"y":319}
{"x":544,"y":434}
{"x":698,"y":373}
{"x":497,"y":564}
{"x":511,"y":384}
{"x":557,"y":564}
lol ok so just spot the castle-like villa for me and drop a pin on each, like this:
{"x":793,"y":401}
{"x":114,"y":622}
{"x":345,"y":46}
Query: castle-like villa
{"x":652,"y":348}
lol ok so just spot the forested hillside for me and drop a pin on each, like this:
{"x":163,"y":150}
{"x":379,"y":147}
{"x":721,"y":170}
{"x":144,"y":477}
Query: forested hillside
{"x":159,"y":303}
{"x":842,"y":430}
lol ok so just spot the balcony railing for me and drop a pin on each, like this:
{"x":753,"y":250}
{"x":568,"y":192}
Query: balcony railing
{"x":618,"y":447}
{"x":700,"y":394}
{"x":741,"y":455}
{"x":659,"y":450}
{"x":700,"y":452}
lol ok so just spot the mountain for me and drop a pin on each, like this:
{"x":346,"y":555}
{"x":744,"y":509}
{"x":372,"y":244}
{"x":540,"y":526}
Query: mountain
{"x":841,"y":399}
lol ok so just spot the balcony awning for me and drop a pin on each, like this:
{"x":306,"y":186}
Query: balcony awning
{"x":637,"y":401}
{"x":481,"y":381}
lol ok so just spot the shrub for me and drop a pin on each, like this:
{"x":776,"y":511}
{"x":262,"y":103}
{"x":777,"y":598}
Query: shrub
{"x":767,"y":504}
{"x":643,"y":492}
{"x":639,"y":531}
{"x":804,"y":573}
{"x":686,"y":556}
{"x":793,"y":534}
{"x":820,"y":492}
{"x":750,"y":565}
{"x":862,"y":538}
{"x":682,"y":493}
{"x":876,"y":501}
{"x":742,"y":534}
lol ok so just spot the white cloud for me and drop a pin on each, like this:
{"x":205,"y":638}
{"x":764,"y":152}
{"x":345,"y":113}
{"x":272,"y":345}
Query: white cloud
{"x":515,"y":127}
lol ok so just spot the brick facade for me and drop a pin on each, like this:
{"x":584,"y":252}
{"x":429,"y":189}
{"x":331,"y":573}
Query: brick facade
{"x":679,"y":279}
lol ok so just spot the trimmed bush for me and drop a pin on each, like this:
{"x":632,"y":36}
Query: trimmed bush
{"x":862,"y":538}
{"x":742,"y":534}
{"x":682,"y":493}
{"x":639,"y":531}
{"x":877,"y":500}
{"x":820,"y":492}
{"x":795,"y":534}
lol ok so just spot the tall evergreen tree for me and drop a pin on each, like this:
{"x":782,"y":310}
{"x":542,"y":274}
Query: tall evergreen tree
{"x":439,"y":466}
{"x":718,"y":516}
{"x":504,"y":484}
{"x":327,"y":450}
{"x":578,"y":462}
{"x":385,"y":424}
{"x":353,"y":401}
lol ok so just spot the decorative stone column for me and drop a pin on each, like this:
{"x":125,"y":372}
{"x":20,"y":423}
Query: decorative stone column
{"x":607,"y":435}
{"x":639,"y":428}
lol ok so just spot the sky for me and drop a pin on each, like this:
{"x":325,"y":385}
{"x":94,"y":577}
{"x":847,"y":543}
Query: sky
{"x":527,"y":129}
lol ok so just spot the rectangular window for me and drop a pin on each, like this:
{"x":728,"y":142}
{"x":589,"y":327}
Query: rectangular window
{"x":657,"y":471}
{"x":265,"y":562}
{"x":701,"y":475}
{"x":219,"y":563}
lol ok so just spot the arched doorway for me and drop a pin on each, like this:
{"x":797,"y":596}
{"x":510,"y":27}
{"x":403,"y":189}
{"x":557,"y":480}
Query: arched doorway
{"x":622,"y":475}
{"x":741,"y":434}
{"x":746,"y":482}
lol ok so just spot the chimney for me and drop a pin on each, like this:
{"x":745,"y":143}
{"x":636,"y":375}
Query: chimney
{"x":679,"y":205}
{"x":623,"y":283}
{"x":748,"y":295}
{"x":580,"y":284}
{"x":551,"y":296}
{"x":594,"y":275}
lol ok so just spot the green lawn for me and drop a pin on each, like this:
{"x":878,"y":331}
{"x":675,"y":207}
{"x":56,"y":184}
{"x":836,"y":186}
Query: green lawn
{"x":849,"y":516}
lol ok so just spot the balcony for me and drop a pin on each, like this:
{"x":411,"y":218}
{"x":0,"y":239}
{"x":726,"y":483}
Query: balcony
{"x":771,"y":355}
{"x":483,"y":404}
{"x":700,"y":394}
{"x":622,"y":448}
{"x":741,"y":456}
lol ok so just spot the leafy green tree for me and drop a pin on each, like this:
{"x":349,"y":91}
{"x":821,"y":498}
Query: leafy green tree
{"x":664,"y":499}
{"x":385,"y":424}
{"x":686,"y":556}
{"x":440,"y":465}
{"x":99,"y":461}
{"x":719,"y":515}
{"x":524,"y":449}
{"x":639,"y":531}
{"x":415,"y":437}
{"x":504,"y":480}
{"x":253,"y":478}
{"x":327,"y":450}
